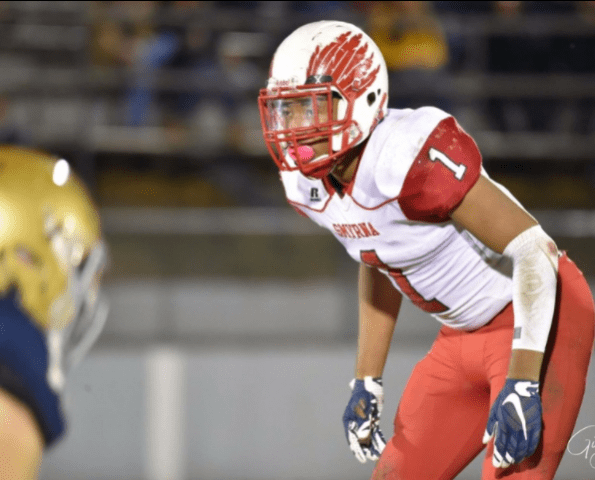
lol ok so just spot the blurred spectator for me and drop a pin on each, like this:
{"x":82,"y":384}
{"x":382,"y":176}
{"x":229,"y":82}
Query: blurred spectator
{"x":231,"y":119}
{"x":409,"y":35}
{"x":237,"y":51}
{"x":131,"y":39}
{"x":229,"y":81}
{"x":415,"y":48}
{"x":148,"y":50}
{"x":193,"y":64}
{"x":111,"y":25}
{"x":107,"y":40}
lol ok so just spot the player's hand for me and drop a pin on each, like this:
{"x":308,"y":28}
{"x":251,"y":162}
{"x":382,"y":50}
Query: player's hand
{"x":361,"y":419}
{"x":514,"y":422}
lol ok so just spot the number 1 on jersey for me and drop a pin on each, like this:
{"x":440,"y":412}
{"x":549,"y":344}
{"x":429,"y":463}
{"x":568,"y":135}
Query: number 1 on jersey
{"x":457,"y":168}
{"x":369,"y":257}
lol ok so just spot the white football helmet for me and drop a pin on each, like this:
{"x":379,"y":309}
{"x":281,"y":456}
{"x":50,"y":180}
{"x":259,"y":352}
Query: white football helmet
{"x":328,"y":82}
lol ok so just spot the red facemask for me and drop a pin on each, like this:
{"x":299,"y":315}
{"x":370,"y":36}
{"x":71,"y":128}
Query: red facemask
{"x":299,"y":125}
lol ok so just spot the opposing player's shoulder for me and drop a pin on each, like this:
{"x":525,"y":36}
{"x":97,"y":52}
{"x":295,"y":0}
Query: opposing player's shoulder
{"x":427,"y":161}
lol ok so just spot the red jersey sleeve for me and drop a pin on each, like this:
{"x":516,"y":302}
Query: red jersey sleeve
{"x":445,"y":169}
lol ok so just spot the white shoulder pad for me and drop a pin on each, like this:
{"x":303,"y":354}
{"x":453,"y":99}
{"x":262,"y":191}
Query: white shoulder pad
{"x":403,"y":138}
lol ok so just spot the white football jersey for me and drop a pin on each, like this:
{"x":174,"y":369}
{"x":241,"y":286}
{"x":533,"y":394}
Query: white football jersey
{"x":415,"y":170}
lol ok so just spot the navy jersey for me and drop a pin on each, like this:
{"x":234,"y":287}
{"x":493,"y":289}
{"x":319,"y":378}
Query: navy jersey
{"x":24,"y":366}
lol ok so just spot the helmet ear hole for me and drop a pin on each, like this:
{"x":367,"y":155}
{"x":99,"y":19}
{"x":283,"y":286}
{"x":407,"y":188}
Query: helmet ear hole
{"x":371,"y":98}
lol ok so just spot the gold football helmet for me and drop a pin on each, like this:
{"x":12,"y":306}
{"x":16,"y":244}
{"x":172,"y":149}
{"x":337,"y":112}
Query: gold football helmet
{"x":51,"y":252}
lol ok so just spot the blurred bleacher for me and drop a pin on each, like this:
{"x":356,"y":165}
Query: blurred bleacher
{"x":165,"y":92}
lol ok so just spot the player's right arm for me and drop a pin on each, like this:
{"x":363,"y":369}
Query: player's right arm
{"x":379,"y":305}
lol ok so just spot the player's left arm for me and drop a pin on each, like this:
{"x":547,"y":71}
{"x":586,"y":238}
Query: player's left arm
{"x":445,"y":182}
{"x":495,"y":219}
{"x":501,"y":224}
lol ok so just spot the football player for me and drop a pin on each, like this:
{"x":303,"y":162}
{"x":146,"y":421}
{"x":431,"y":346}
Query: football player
{"x":406,"y":194}
{"x":51,"y":310}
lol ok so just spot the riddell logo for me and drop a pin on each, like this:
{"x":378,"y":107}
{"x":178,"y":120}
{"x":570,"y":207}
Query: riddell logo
{"x":355,"y":230}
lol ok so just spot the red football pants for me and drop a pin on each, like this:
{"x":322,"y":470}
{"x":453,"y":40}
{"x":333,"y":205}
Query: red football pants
{"x":444,"y":409}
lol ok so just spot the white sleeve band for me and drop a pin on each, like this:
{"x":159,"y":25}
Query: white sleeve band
{"x":534,"y":282}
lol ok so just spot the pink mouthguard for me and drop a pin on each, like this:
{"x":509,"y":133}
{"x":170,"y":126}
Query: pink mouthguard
{"x":305,"y":153}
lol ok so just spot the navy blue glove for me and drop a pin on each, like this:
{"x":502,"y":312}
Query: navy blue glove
{"x":514,"y":422}
{"x":361,"y":419}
